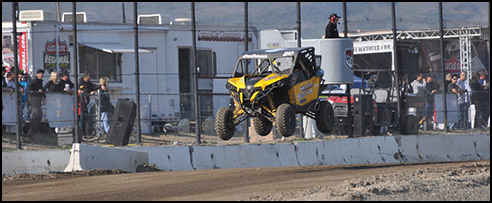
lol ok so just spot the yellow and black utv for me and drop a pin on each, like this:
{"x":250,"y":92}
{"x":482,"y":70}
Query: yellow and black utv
{"x":272,"y":85}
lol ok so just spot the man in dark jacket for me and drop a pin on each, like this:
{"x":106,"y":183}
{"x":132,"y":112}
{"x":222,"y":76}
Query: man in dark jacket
{"x":86,"y":86}
{"x":429,"y":102}
{"x":331,"y":30}
{"x":479,"y":98}
{"x":86,"y":89}
{"x":35,"y":95}
{"x":65,"y":85}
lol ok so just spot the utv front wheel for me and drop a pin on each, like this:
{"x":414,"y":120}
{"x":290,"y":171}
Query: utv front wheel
{"x":262,"y":126}
{"x":325,"y":117}
{"x":285,"y":120}
{"x":224,"y":123}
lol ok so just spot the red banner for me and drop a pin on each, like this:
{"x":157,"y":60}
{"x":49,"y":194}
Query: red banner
{"x":452,"y":65}
{"x":23,"y":51}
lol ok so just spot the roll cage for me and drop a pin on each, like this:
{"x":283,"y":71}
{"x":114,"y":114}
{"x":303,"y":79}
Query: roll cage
{"x":280,"y":61}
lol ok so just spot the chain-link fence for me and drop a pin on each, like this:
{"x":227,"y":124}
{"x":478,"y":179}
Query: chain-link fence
{"x":167,"y":60}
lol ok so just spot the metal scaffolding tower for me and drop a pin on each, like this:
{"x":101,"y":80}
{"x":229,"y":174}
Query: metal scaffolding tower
{"x":465,"y":51}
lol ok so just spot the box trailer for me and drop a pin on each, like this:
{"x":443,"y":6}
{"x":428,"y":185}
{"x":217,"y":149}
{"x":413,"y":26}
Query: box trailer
{"x":165,"y":60}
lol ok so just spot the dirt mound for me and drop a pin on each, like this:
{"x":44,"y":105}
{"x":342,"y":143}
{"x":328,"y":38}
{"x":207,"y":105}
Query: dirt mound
{"x":469,"y":181}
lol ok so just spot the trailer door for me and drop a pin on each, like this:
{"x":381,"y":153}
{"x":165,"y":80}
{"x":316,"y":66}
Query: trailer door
{"x":206,"y":70}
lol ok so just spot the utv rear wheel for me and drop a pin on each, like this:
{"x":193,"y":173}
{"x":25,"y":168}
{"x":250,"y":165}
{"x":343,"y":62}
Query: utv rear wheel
{"x":262,"y":126}
{"x":325,"y":117}
{"x":224,"y":123}
{"x":285,"y":120}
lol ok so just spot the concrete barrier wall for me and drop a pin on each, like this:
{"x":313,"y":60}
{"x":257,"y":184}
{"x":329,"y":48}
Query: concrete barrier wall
{"x":88,"y":157}
{"x":365,"y":150}
{"x":444,"y":148}
{"x":19,"y":162}
{"x":169,"y":158}
{"x":243,"y":156}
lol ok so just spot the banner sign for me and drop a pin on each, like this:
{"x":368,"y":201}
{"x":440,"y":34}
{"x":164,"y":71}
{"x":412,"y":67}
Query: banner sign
{"x":49,"y":55}
{"x":367,"y":47}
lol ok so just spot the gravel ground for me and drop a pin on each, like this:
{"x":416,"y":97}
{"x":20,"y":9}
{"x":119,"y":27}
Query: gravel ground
{"x":468,"y":182}
{"x":460,"y":181}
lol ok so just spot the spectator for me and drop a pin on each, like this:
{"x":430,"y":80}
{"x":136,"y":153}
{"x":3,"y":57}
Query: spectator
{"x":35,"y":92}
{"x":405,"y":87}
{"x":465,"y":104}
{"x":478,"y":98}
{"x":50,"y":86}
{"x":4,"y":82}
{"x":483,"y":79}
{"x":447,"y":82}
{"x":106,"y":106}
{"x":65,"y":85}
{"x":22,"y":87}
{"x":10,"y":80}
{"x":455,"y":89}
{"x":86,"y":89}
{"x":331,"y":30}
{"x":429,"y":102}
{"x":418,"y":85}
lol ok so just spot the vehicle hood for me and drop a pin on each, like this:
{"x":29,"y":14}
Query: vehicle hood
{"x":256,"y":81}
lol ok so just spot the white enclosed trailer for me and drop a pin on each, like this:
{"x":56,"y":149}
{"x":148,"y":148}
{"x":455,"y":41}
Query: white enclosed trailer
{"x":165,"y":60}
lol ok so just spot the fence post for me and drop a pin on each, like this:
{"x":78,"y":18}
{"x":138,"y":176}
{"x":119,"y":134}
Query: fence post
{"x":137,"y":73}
{"x":15,"y":8}
{"x":246,"y":38}
{"x":75,"y":59}
{"x":441,"y":41}
{"x":198,"y":123}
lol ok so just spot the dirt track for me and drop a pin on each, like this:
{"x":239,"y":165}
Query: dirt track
{"x":444,"y":181}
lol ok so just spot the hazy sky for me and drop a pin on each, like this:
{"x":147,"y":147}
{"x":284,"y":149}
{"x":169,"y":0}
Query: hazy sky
{"x":282,"y":15}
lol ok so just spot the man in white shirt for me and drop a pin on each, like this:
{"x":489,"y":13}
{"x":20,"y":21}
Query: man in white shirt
{"x":463,"y":100}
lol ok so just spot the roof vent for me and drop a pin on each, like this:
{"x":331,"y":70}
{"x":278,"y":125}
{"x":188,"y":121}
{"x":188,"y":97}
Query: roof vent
{"x":82,"y":17}
{"x":150,"y":19}
{"x":182,"y":21}
{"x":35,"y":15}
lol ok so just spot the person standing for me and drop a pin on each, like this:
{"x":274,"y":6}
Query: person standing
{"x":86,"y":89}
{"x":447,"y":82}
{"x":465,"y":103}
{"x":50,"y":86}
{"x":484,"y":81}
{"x":65,"y":85}
{"x":22,"y":89}
{"x":35,"y":95}
{"x":429,"y":102}
{"x":331,"y":30}
{"x":106,"y":106}
{"x":418,"y":85}
{"x":4,"y":82}
{"x":479,"y":100}
{"x":455,"y":89}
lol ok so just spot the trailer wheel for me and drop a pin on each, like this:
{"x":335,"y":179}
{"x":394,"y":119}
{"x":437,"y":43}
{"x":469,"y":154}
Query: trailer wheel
{"x":262,"y":126}
{"x":285,"y":120}
{"x":325,"y":117}
{"x":224,"y":123}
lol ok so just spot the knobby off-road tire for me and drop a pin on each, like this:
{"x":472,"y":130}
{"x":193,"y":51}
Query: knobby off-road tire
{"x":325,"y":117}
{"x":224,"y":123}
{"x":263,"y":126}
{"x":285,"y":120}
